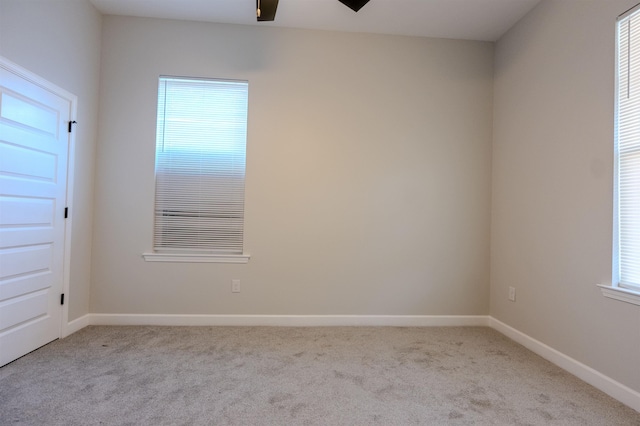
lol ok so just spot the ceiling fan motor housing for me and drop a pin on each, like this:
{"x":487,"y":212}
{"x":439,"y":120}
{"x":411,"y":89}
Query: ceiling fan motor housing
{"x":267,"y":9}
{"x":355,"y":5}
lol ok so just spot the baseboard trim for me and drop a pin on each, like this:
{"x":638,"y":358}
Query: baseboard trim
{"x":292,"y":320}
{"x":76,"y":325}
{"x":596,"y":379}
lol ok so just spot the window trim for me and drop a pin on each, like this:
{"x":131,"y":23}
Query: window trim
{"x":194,"y":255}
{"x":620,"y":293}
{"x":615,"y":290}
{"x":196,"y":258}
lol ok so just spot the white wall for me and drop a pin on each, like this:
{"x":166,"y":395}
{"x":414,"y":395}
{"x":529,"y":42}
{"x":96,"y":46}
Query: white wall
{"x":368,"y":172}
{"x":552,"y":185}
{"x":60,"y":41}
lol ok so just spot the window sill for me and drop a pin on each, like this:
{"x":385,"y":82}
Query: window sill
{"x":196,"y":258}
{"x":619,"y":293}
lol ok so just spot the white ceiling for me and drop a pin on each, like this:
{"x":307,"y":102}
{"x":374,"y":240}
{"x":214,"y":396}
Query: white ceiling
{"x":483,"y":20}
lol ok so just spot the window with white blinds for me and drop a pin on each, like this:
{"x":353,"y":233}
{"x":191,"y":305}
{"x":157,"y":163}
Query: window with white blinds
{"x":627,"y":154}
{"x":200,"y":166}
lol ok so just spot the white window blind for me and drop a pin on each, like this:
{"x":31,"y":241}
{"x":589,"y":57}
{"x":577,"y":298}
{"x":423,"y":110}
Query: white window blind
{"x":627,"y":154}
{"x":200,"y":165}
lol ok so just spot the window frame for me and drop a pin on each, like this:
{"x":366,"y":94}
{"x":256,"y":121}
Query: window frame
{"x":180,"y":252}
{"x":626,"y":292}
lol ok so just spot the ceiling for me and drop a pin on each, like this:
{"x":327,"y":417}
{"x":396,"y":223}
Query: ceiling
{"x":484,"y":20}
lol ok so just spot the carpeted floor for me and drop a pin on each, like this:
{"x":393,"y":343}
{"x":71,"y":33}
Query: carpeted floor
{"x":296,"y":376}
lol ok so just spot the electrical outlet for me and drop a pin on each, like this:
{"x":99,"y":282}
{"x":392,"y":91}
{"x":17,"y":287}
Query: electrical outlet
{"x":235,"y":286}
{"x":512,"y":294}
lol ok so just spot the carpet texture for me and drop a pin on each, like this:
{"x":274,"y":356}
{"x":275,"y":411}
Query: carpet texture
{"x":296,"y":376}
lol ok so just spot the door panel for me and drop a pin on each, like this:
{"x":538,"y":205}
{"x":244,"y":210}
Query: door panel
{"x":22,"y":309}
{"x":15,"y":211}
{"x":23,"y":161}
{"x":14,"y":287}
{"x":34,"y":144}
{"x":29,"y":113}
{"x":27,"y":260}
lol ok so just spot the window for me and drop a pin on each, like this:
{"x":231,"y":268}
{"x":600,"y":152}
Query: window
{"x":626,"y":241}
{"x":200,"y":169}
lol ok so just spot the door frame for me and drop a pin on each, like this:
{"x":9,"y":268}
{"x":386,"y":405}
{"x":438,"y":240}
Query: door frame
{"x":16,"y":69}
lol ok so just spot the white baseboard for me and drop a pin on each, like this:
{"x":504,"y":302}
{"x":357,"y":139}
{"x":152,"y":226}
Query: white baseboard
{"x":291,"y":320}
{"x":76,"y":325}
{"x":596,"y":379}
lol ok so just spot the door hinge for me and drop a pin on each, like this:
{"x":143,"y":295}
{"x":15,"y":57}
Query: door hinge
{"x":62,"y":299}
{"x":66,"y":212}
{"x":71,"y":123}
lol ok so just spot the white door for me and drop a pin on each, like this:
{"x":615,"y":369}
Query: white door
{"x":34,"y":143}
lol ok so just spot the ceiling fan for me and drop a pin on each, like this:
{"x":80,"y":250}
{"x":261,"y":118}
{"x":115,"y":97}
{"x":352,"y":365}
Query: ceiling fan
{"x":266,"y":9}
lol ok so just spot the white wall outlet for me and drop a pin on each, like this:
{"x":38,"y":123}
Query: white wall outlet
{"x":512,"y":294}
{"x":235,"y":286}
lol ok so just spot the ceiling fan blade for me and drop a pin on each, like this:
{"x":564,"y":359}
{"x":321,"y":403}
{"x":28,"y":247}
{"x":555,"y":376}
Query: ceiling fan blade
{"x":354,"y":5}
{"x":267,"y":9}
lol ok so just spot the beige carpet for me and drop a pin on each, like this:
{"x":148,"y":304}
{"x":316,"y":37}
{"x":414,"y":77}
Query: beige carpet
{"x":296,"y":376}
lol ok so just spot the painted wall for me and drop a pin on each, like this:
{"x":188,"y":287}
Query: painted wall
{"x":552,"y":185}
{"x":60,"y":41}
{"x":368,"y":172}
